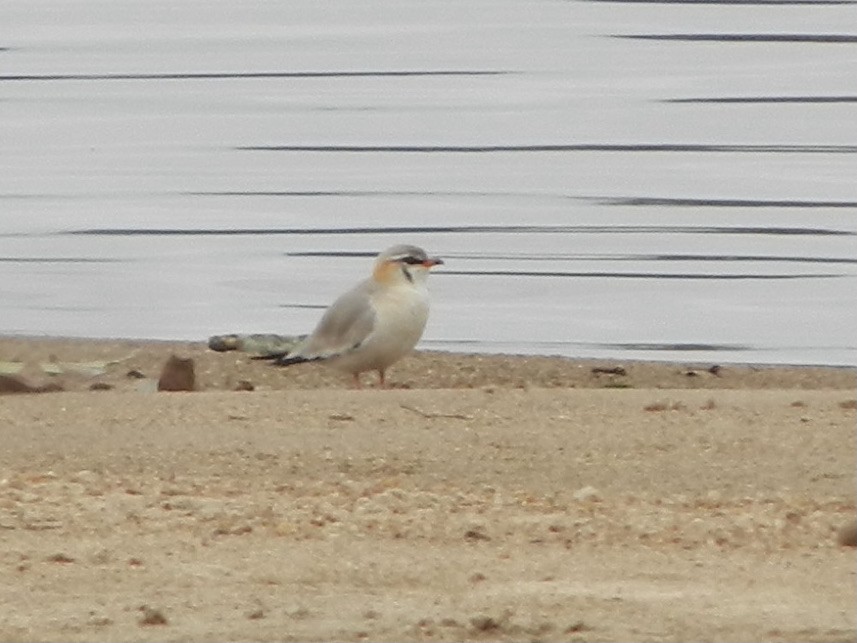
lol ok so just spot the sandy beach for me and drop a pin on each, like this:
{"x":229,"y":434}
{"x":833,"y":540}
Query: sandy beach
{"x":481,"y":498}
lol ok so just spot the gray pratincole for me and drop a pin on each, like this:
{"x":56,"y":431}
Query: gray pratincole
{"x":377,"y":322}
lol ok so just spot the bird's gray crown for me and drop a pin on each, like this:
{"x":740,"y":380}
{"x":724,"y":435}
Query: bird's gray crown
{"x":404,"y":252}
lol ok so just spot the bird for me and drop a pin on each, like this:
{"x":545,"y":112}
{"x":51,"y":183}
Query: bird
{"x":376,"y":323}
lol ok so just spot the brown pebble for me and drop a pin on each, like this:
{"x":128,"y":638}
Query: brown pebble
{"x":613,"y":370}
{"x":847,"y":536}
{"x":245,"y":385}
{"x":484,"y":624}
{"x":476,"y":534}
{"x":100,"y":386}
{"x":177,"y":375}
{"x":135,"y":374}
{"x":152,"y":616}
{"x":577,"y":626}
{"x":11,"y":384}
{"x":60,"y":558}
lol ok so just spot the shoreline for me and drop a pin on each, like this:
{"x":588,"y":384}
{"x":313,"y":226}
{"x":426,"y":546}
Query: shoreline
{"x":420,"y":370}
{"x":452,"y":352}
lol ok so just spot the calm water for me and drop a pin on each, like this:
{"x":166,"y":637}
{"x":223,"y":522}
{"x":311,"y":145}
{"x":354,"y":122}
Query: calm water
{"x":621,"y":180}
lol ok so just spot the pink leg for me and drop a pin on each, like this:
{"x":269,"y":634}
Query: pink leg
{"x":382,"y":382}
{"x":357,"y":380}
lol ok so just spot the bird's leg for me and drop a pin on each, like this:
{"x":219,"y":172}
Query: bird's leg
{"x":382,"y":382}
{"x":356,"y":383}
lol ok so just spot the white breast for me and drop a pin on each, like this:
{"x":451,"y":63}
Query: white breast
{"x":401,"y":316}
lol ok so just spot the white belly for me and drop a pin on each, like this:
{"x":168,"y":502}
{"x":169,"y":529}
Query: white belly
{"x":400,"y":322}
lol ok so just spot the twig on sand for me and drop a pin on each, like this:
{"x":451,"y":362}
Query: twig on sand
{"x":434,"y":416}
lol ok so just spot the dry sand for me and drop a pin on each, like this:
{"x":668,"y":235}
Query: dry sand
{"x":485,"y":498}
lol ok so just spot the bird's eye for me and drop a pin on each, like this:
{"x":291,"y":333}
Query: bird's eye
{"x":411,"y":261}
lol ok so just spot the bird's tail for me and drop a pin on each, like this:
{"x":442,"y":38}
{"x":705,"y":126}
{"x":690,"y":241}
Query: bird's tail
{"x":271,"y":356}
{"x":283,"y":359}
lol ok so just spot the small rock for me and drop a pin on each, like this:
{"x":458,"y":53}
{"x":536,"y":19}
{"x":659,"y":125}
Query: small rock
{"x":587,"y":494}
{"x":135,"y":374}
{"x":577,"y":626}
{"x":614,"y":370}
{"x":60,"y":558}
{"x":12,"y":384}
{"x":484,"y":624}
{"x":177,"y":375}
{"x":476,"y":533}
{"x":847,"y":535}
{"x":85,"y":476}
{"x":245,"y":385}
{"x":99,"y":620}
{"x":152,"y":616}
{"x":100,"y":386}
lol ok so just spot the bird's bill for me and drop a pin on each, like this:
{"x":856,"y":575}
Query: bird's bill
{"x":432,"y":262}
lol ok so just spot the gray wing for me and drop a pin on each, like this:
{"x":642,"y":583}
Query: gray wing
{"x":345,"y":325}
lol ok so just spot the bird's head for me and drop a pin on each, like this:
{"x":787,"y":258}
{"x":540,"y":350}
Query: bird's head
{"x":404,"y":262}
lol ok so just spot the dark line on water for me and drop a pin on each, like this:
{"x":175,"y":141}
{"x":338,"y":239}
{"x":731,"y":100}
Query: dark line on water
{"x":601,"y":200}
{"x":582,"y":147}
{"x":676,"y":347}
{"x":253,"y":75}
{"x":740,"y":258}
{"x":630,"y":275}
{"x":628,"y":201}
{"x":466,"y":230}
{"x":57,"y":260}
{"x":314,"y":193}
{"x":312,"y":306}
{"x":766,"y":99}
{"x":744,"y":37}
{"x":732,"y":2}
{"x":341,"y":254}
{"x":721,"y":203}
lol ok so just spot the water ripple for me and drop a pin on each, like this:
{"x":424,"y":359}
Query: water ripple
{"x":472,"y":229}
{"x":744,"y":37}
{"x":253,"y":75}
{"x":634,"y":275}
{"x":733,"y":2}
{"x":553,"y":257}
{"x":766,"y":99}
{"x":722,"y":203}
{"x":573,"y":147}
{"x":58,"y":260}
{"x":601,"y":200}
